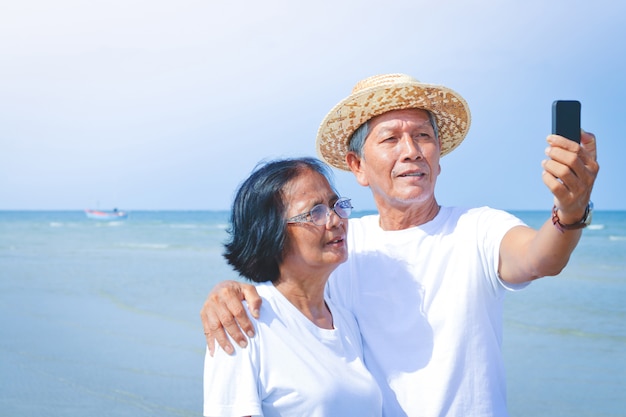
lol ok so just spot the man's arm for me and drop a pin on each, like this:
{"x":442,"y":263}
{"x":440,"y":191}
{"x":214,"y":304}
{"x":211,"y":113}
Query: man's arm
{"x":569,"y":173}
{"x":223,"y":310}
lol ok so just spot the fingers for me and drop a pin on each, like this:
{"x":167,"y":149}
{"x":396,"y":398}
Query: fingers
{"x":585,"y":151}
{"x":562,"y":169}
{"x":570,"y":172}
{"x":213,"y":330}
{"x":234,"y":319}
{"x":218,"y":316}
{"x":210,"y":339}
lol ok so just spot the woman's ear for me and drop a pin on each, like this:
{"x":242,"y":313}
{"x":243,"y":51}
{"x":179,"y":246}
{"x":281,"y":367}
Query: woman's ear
{"x":356,"y":166}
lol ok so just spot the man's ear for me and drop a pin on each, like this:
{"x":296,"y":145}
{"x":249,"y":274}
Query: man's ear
{"x":356,"y":166}
{"x":439,"y":165}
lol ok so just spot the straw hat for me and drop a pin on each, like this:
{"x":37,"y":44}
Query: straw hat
{"x":379,"y":94}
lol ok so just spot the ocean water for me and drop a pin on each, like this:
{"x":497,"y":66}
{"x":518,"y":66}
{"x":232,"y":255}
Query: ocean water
{"x":100,"y":318}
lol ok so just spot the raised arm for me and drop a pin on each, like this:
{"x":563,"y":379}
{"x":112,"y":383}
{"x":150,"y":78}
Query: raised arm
{"x":569,"y":172}
{"x":223,"y":310}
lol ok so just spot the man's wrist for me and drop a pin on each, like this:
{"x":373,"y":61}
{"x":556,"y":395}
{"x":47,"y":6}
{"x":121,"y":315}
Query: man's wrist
{"x":582,"y":223}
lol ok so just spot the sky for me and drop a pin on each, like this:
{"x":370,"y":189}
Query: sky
{"x":169,"y":105}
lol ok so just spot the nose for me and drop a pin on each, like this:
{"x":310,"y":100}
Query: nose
{"x":332,"y":219}
{"x":409,"y":148}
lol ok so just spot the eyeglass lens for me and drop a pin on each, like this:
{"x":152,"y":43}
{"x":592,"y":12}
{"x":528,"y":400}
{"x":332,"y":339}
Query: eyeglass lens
{"x":321,"y":212}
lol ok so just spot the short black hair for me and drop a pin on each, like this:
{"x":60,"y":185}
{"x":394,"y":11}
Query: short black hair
{"x":257,"y":220}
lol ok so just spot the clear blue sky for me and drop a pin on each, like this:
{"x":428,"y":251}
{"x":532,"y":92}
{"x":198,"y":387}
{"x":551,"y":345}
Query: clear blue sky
{"x":169,"y":104}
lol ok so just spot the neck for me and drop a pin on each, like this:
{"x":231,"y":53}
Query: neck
{"x":306,"y":293}
{"x":406,"y":216}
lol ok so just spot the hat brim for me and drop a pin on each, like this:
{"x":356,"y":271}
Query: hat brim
{"x":448,"y":107}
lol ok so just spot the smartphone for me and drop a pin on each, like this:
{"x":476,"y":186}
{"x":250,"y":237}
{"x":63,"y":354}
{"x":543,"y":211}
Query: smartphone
{"x":566,"y":119}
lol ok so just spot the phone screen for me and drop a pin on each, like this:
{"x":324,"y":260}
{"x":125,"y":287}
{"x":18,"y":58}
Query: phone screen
{"x":566,"y":119}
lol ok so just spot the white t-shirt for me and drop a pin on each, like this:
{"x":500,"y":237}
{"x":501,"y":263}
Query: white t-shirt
{"x":428,"y":301}
{"x":292,"y":367}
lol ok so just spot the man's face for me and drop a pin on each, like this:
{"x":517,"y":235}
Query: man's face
{"x":400,"y":160}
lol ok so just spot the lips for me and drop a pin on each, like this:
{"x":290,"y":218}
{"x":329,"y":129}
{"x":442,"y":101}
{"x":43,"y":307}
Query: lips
{"x":338,"y":239}
{"x":412,"y":174}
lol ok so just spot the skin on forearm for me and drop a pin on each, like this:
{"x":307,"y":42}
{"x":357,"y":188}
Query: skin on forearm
{"x":527,"y":254}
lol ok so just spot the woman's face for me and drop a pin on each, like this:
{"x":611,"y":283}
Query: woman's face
{"x":309,"y":247}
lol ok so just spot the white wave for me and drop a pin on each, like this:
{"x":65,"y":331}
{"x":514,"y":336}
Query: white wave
{"x":114,"y":223}
{"x":617,"y":238}
{"x":596,"y":227}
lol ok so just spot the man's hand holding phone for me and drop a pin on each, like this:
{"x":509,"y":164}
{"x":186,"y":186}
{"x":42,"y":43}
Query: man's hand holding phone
{"x":571,"y":169}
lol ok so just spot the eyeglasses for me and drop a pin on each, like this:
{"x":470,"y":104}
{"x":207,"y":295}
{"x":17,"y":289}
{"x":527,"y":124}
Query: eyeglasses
{"x":320,"y":214}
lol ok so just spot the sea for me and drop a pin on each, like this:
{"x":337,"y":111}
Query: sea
{"x":102,"y":318}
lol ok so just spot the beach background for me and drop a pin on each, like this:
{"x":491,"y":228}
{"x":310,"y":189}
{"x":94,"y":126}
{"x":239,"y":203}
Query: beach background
{"x":154,"y":105}
{"x":101,"y":318}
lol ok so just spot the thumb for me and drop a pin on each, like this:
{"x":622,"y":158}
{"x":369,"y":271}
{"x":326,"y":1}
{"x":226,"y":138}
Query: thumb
{"x":588,"y":142}
{"x":253,"y":299}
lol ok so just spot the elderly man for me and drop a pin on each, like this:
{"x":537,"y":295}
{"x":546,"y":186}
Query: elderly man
{"x":426,"y":283}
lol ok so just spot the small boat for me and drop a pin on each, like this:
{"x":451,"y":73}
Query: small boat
{"x":114,"y":214}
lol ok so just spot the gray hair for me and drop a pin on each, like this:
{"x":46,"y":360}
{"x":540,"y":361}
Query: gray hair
{"x":357,"y":140}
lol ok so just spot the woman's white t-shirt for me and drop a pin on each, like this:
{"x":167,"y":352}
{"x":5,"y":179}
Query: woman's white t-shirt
{"x":292,"y":367}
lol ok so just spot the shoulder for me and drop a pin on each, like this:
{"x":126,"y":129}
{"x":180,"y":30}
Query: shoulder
{"x":359,"y":227}
{"x":473,"y":223}
{"x":364,"y":222}
{"x":484,"y":214}
{"x":269,"y":300}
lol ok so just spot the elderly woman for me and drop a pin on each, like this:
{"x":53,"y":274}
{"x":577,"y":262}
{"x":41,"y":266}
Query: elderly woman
{"x":287,"y":234}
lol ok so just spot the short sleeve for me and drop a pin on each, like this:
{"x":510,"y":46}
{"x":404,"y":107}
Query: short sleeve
{"x":231,"y":383}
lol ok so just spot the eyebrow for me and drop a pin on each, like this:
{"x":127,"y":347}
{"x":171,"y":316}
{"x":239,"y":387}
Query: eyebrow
{"x":332,"y":200}
{"x":388,"y":130}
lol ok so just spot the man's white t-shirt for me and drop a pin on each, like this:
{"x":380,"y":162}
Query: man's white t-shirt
{"x":428,"y":301}
{"x":292,"y":367}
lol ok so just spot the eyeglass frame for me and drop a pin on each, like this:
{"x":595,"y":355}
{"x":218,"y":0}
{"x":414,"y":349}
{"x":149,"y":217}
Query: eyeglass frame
{"x":308,"y":216}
